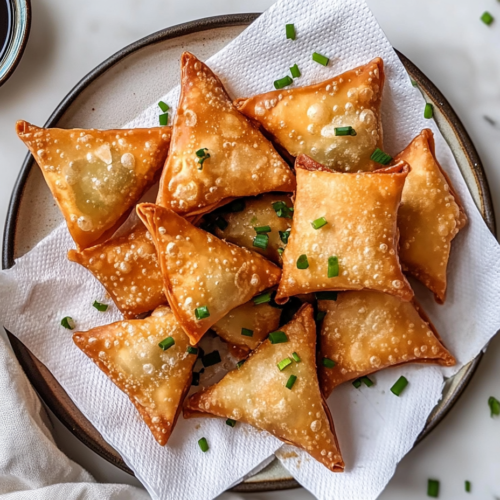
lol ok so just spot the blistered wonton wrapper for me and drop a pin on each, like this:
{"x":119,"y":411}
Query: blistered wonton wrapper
{"x":216,"y":153}
{"x":96,"y":176}
{"x":204,"y":277}
{"x":303,"y":119}
{"x":361,"y":232}
{"x":257,"y":393}
{"x":429,"y":217}
{"x":127,"y":266}
{"x":364,"y":332}
{"x":154,"y":379}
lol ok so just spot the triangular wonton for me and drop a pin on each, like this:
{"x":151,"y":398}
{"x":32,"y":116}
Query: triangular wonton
{"x":216,"y":153}
{"x":429,"y":217}
{"x":127,"y":266}
{"x":155,"y":378}
{"x":365,"y":332}
{"x":304,"y":119}
{"x":204,"y":277}
{"x":261,"y":394}
{"x":96,"y":176}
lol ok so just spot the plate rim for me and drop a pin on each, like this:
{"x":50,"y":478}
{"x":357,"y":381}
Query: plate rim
{"x":28,"y":360}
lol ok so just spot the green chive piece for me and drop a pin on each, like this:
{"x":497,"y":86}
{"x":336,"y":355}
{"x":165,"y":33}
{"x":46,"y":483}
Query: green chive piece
{"x":210,"y":359}
{"x":291,"y":380}
{"x":191,"y":350}
{"x":239,"y":364}
{"x":278,"y":337}
{"x":380,"y":157}
{"x":357,"y":383}
{"x":433,"y":488}
{"x":302,"y":262}
{"x":320,"y":316}
{"x":284,"y":363}
{"x":282,"y":82}
{"x":196,"y":379}
{"x":235,"y":206}
{"x":99,"y":306}
{"x":428,"y":111}
{"x":246,"y":332}
{"x":319,"y":223}
{"x":333,"y":266}
{"x":295,"y":71}
{"x":282,"y":210}
{"x":163,"y":119}
{"x":68,"y":323}
{"x":280,"y":251}
{"x":202,"y":156}
{"x":263,"y":298}
{"x":262,"y":229}
{"x":326,"y":295}
{"x":296,"y":357}
{"x":467,"y":486}
{"x":487,"y":18}
{"x":413,"y":82}
{"x":163,"y":106}
{"x":261,"y":241}
{"x":323,"y":60}
{"x":399,"y":386}
{"x":329,"y":363}
{"x":494,"y":405}
{"x":203,"y":445}
{"x":221,"y":223}
{"x":167,"y":343}
{"x":284,"y":235}
{"x":230,"y":422}
{"x":345,"y":131}
{"x":367,"y":381}
{"x":201,"y":312}
{"x":290,"y":31}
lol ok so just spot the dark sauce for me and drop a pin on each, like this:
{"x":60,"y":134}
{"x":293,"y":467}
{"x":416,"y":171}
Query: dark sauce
{"x":5,"y":25}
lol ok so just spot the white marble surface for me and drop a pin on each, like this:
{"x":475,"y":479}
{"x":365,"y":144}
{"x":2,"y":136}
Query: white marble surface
{"x":444,"y":38}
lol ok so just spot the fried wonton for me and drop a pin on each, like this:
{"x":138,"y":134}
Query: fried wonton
{"x":127,"y":266}
{"x":96,"y":176}
{"x":365,"y":332}
{"x":240,"y":227}
{"x":204,"y":277}
{"x":429,"y":217}
{"x":304,"y":119}
{"x":344,"y":234}
{"x":155,"y":380}
{"x":262,"y":395}
{"x":248,"y":325}
{"x":216,"y":153}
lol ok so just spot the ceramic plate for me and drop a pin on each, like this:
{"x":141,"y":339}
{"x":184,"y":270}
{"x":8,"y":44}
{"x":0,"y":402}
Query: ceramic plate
{"x":112,"y":95}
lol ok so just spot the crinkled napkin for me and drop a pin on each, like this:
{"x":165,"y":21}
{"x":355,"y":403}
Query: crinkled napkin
{"x":374,"y":427}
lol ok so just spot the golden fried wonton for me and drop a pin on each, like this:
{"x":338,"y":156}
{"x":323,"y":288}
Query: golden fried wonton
{"x":204,"y":277}
{"x":155,"y":380}
{"x":262,"y":395}
{"x":344,"y":234}
{"x":216,"y":154}
{"x":429,"y":217}
{"x":127,"y":266}
{"x":96,"y":176}
{"x":364,"y":332}
{"x":303,"y":119}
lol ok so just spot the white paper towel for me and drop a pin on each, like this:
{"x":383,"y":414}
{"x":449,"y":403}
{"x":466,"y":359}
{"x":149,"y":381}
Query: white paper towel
{"x":375,"y":428}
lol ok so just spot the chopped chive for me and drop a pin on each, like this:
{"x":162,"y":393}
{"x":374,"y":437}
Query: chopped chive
{"x":280,"y":251}
{"x":296,"y":357}
{"x":413,"y":82}
{"x":367,"y":381}
{"x":239,"y":364}
{"x":380,"y":157}
{"x":302,"y":262}
{"x":278,"y":337}
{"x":329,"y":363}
{"x":262,"y":229}
{"x":320,"y":316}
{"x":195,"y":382}
{"x":323,"y":60}
{"x":326,"y":295}
{"x":221,"y":223}
{"x":167,"y":343}
{"x":163,"y":106}
{"x":290,"y":31}
{"x":203,"y":445}
{"x":494,"y":405}
{"x":284,"y":363}
{"x":295,"y":71}
{"x":163,"y":119}
{"x":230,"y":422}
{"x":201,"y":312}
{"x":191,"y":350}
{"x":202,"y":156}
{"x":99,"y":306}
{"x":282,"y":82}
{"x":246,"y":332}
{"x":284,"y":235}
{"x":319,"y":223}
{"x":291,"y":380}
{"x":263,"y":298}
{"x":333,"y":266}
{"x":428,"y":111}
{"x":235,"y":206}
{"x":345,"y":131}
{"x":282,"y":210}
{"x":357,"y":383}
{"x":261,"y":241}
{"x":399,"y":386}
{"x":210,"y":359}
{"x":433,"y":488}
{"x":68,"y":323}
{"x":487,"y":18}
{"x":467,"y":486}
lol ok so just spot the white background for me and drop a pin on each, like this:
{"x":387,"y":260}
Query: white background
{"x":444,"y":38}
